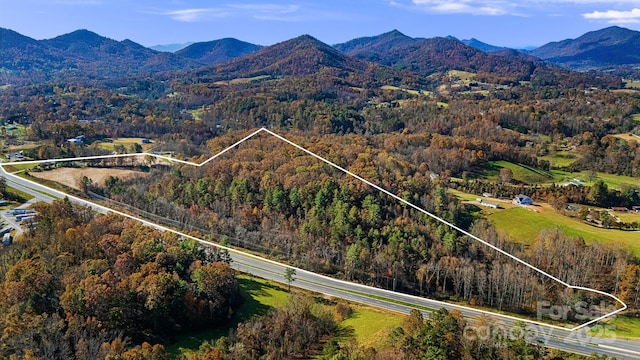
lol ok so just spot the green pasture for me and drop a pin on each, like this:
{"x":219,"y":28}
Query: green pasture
{"x":530,"y":175}
{"x":260,"y":296}
{"x":521,"y":173}
{"x":561,"y":158}
{"x":524,"y":226}
{"x":621,"y":327}
{"x":371,"y":327}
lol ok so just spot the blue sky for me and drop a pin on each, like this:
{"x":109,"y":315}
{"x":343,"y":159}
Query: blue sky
{"x":152,"y":22}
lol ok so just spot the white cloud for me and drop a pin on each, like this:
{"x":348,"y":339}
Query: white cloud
{"x":268,"y":12}
{"x":257,"y":11}
{"x":194,"y":15}
{"x":615,"y":16}
{"x":473,"y":7}
{"x":504,"y":7}
{"x":274,"y":12}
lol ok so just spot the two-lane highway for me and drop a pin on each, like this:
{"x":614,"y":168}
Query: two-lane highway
{"x":572,"y":341}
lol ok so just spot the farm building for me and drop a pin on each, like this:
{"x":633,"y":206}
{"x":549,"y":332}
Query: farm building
{"x":487,"y":204}
{"x":522,"y":200}
{"x":77,"y":140}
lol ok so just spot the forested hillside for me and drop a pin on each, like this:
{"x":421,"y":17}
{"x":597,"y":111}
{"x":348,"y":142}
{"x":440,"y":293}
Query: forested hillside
{"x":87,"y":287}
{"x":268,"y":198}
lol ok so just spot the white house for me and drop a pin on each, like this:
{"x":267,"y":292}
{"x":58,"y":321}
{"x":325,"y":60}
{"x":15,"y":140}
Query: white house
{"x":522,"y":200}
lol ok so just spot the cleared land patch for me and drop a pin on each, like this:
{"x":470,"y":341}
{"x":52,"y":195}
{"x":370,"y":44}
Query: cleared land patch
{"x":628,"y":137}
{"x":110,"y":144}
{"x":71,"y":176}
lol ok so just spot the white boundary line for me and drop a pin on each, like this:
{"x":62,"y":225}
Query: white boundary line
{"x":435,"y":217}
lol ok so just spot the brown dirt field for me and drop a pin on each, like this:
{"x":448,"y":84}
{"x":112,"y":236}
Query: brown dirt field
{"x":71,"y":176}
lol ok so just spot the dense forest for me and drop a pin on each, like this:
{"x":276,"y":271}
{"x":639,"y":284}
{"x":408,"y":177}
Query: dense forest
{"x":88,"y":287}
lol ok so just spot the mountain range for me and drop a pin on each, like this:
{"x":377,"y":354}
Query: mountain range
{"x":602,"y":49}
{"x":84,"y":55}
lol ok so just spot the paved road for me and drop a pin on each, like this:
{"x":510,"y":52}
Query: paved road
{"x":577,"y":342}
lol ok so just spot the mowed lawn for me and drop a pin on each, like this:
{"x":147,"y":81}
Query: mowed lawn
{"x":622,"y":327}
{"x":370,"y":326}
{"x":524,"y":226}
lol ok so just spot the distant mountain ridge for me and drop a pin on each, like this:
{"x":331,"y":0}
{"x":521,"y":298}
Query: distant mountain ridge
{"x":170,"y":47}
{"x":609,"y":47}
{"x":426,"y":56}
{"x":217,"y":51}
{"x":83,"y":55}
{"x":370,"y":47}
{"x":482,"y":46}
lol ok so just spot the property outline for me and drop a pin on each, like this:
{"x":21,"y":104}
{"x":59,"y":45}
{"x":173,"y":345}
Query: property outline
{"x":377,"y":187}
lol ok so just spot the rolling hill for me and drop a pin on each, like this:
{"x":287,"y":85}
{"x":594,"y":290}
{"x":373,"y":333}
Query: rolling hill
{"x":217,"y":51}
{"x":426,"y":56}
{"x":370,"y":48}
{"x":303,"y":55}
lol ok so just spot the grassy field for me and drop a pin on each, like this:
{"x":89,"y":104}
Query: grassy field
{"x":371,"y":327}
{"x":612,"y":181}
{"x":260,"y":296}
{"x":529,"y":175}
{"x":20,"y":194}
{"x":636,"y":117}
{"x":197,"y":113}
{"x":243,"y":80}
{"x":126,"y":142}
{"x":19,"y":167}
{"x":521,"y":173}
{"x":622,"y":327}
{"x":16,"y":129}
{"x":524,"y":225}
{"x":561,"y":159}
{"x":409,"y":91}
